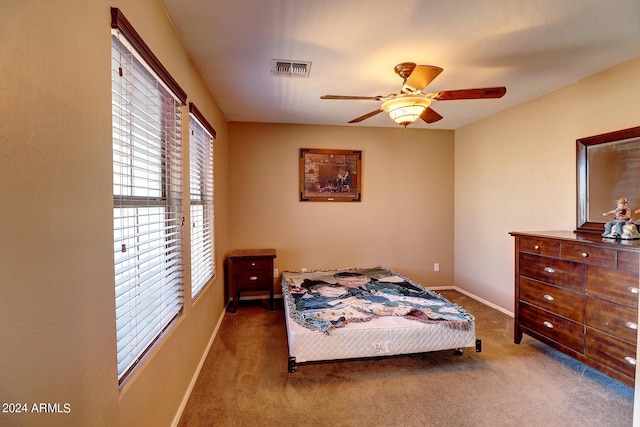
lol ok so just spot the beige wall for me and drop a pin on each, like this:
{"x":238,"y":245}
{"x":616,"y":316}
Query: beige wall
{"x":405,"y":218}
{"x":57,"y":341}
{"x":516,"y":171}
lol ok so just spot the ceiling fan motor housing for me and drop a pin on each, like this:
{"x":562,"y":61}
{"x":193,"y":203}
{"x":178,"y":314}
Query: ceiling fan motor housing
{"x":405,"y":69}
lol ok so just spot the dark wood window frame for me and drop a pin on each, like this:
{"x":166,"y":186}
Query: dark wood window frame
{"x":120,"y":22}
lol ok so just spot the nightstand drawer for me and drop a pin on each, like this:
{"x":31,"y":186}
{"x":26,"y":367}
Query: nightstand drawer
{"x":560,"y":301}
{"x":561,"y":330}
{"x":253,"y":264}
{"x":611,"y":352}
{"x":254,"y":279}
{"x":565,"y":274}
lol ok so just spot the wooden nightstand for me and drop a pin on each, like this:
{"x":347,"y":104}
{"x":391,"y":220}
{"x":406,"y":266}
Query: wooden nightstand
{"x":250,"y":270}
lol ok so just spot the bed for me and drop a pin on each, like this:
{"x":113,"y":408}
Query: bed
{"x":372,"y":312}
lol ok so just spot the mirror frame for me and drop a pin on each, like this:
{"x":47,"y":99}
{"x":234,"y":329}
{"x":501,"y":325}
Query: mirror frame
{"x":582,"y":168}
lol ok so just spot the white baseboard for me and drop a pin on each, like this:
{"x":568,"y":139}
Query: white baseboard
{"x":185,"y":399}
{"x":475,"y":297}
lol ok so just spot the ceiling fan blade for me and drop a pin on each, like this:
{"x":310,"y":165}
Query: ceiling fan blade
{"x":422,"y":75}
{"x":430,"y":116}
{"x":482,"y":93}
{"x":365,"y":116}
{"x":371,"y":98}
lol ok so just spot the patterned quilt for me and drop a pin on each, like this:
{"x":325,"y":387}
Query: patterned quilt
{"x":323,"y":300}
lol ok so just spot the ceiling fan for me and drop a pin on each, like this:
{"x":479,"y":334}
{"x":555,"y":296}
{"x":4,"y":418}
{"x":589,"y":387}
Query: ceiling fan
{"x":412,"y":103}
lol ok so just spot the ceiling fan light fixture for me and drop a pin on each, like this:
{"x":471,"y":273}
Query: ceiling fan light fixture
{"x":405,"y":110}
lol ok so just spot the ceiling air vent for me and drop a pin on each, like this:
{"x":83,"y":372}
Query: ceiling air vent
{"x":282,"y":67}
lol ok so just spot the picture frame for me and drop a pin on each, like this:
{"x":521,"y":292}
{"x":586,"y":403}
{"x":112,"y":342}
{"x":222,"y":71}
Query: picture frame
{"x":328,"y":175}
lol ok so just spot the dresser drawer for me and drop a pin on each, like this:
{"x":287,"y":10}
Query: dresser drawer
{"x":540,"y":246}
{"x":557,"y":272}
{"x":614,"y":319}
{"x":629,"y":261}
{"x":589,"y":254}
{"x":613,"y":285}
{"x":611,"y":352}
{"x":561,"y":330}
{"x":556,"y":300}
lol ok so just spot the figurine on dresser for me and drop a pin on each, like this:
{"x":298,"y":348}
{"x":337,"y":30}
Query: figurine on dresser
{"x":622,"y":215}
{"x":630,"y":229}
{"x":622,"y":226}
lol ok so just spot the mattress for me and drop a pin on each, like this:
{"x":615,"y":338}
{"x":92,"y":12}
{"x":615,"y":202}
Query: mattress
{"x":379,"y":335}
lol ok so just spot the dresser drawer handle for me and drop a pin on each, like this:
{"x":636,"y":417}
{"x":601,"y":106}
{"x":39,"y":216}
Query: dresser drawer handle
{"x":253,"y":264}
{"x":253,"y":278}
{"x":633,"y":290}
{"x":536,"y":247}
{"x":631,"y":325}
{"x":630,"y":360}
{"x":584,"y":255}
{"x":548,"y":297}
{"x":548,"y":324}
{"x":549,"y":270}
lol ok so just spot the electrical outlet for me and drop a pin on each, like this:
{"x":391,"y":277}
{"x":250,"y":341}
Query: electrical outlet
{"x":275,"y":272}
{"x":436,"y":267}
{"x":303,"y":269}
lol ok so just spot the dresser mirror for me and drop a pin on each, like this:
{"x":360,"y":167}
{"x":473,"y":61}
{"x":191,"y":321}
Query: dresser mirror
{"x":608,"y":168}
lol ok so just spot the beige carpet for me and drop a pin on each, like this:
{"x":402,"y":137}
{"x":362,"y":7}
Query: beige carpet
{"x":245,"y":382}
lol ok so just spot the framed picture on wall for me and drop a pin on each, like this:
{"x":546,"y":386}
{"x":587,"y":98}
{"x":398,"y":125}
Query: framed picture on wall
{"x":330,"y":175}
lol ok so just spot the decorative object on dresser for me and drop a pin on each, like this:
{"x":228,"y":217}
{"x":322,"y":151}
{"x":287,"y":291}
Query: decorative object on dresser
{"x":621,"y":216}
{"x":250,"y":270}
{"x":578,"y":293}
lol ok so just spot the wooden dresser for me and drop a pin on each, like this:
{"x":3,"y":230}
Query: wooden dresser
{"x":579,"y":294}
{"x":250,"y":270}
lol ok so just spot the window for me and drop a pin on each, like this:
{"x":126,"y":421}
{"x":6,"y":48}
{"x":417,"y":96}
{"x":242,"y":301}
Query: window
{"x":202,"y":212}
{"x":147,"y":194}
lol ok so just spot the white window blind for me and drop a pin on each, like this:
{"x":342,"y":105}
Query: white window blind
{"x":201,"y":205}
{"x":147,"y":212}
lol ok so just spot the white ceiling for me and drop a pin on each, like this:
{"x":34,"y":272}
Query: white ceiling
{"x":530,"y":46}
